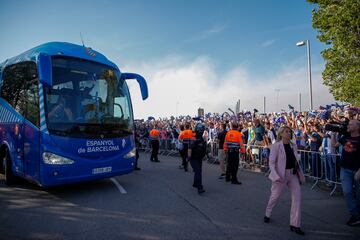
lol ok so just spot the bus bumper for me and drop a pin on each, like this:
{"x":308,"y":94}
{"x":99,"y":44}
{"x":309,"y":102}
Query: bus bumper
{"x":67,"y":174}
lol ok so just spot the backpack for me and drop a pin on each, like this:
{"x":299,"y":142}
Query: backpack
{"x":198,"y":149}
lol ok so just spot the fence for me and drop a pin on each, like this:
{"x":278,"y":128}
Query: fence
{"x":167,"y":146}
{"x":317,"y":166}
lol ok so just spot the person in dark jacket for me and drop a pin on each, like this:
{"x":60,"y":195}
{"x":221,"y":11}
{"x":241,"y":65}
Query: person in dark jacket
{"x":137,"y":144}
{"x":196,"y":152}
{"x":350,"y":170}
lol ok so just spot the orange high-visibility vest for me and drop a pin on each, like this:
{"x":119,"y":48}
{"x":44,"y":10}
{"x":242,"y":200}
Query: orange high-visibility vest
{"x":233,"y":140}
{"x":154,"y":134}
{"x":186,"y":136}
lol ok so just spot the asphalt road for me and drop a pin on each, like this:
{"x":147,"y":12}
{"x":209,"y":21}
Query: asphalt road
{"x":159,"y":202}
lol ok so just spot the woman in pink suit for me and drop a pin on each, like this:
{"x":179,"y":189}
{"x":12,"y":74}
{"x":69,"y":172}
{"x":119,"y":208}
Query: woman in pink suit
{"x":285,"y":171}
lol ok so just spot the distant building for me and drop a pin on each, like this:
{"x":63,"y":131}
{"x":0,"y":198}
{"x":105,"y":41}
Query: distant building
{"x":237,"y":108}
{"x":201,"y":112}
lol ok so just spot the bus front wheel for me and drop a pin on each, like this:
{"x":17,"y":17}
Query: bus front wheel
{"x":8,"y":173}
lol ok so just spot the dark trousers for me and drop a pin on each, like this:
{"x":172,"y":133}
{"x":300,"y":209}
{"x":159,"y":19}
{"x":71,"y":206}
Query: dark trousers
{"x":233,"y":166}
{"x":184,"y":155}
{"x":155,"y":150}
{"x":196,"y":164}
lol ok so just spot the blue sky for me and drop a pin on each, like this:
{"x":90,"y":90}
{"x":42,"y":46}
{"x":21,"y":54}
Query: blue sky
{"x":193,"y":53}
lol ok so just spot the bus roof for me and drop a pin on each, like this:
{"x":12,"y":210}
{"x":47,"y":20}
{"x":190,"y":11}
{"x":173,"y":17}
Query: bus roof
{"x":60,"y":49}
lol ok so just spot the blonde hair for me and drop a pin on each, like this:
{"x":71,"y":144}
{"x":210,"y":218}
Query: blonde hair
{"x":281,"y":131}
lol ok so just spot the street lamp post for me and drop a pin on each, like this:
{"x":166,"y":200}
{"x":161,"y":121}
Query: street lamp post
{"x":264,"y":104}
{"x":307,"y":43}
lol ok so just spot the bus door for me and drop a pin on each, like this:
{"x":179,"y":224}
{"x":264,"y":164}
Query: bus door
{"x":20,"y":90}
{"x":31,"y":124}
{"x":17,"y":158}
{"x":26,"y":142}
{"x":31,"y":131}
{"x":31,"y":150}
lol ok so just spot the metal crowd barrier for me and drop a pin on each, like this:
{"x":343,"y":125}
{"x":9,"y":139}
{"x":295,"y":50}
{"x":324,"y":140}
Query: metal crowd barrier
{"x":321,"y":167}
{"x":212,"y":155}
{"x":167,"y":146}
{"x":145,"y":145}
{"x":318,"y":166}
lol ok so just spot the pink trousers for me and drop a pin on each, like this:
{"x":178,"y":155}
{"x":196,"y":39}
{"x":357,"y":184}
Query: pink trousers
{"x":292,"y":181}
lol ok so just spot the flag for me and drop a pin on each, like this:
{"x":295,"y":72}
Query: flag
{"x":196,"y":118}
{"x":231,"y":111}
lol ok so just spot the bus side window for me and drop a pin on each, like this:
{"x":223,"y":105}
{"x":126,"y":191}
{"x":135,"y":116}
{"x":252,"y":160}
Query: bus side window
{"x":20,"y":89}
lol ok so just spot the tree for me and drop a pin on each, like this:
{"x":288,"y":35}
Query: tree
{"x":338,"y":25}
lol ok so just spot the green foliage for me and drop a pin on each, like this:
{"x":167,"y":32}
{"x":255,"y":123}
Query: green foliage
{"x":338,"y":25}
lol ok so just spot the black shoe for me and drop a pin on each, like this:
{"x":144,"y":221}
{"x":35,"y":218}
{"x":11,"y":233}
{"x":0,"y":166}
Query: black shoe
{"x":137,"y":168}
{"x":236,"y":182}
{"x":353,"y":221}
{"x":156,"y":161}
{"x":266,"y":219}
{"x":297,"y":230}
{"x":185,"y":169}
{"x":152,"y":160}
{"x":227,"y":180}
{"x":222,"y":176}
{"x":201,"y":190}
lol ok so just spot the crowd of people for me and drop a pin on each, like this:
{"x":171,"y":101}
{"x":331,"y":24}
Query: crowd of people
{"x":308,"y":127}
{"x":332,"y":132}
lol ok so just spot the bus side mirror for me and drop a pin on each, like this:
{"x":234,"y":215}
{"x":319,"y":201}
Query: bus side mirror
{"x":140,"y":80}
{"x":45,"y":69}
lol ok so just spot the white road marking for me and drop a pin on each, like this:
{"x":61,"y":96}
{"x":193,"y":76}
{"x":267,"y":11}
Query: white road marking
{"x":117,"y":184}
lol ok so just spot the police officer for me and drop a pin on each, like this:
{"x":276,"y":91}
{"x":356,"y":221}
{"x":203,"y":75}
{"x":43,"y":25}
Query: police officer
{"x":185,"y":137}
{"x":233,"y":145}
{"x":155,"y":142}
{"x":196,"y":152}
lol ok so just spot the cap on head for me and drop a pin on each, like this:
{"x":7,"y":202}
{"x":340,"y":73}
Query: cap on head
{"x":199,"y":128}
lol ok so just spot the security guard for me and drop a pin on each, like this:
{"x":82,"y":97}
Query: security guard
{"x":155,"y":142}
{"x":196,"y":153}
{"x":185,"y":137}
{"x":233,"y":145}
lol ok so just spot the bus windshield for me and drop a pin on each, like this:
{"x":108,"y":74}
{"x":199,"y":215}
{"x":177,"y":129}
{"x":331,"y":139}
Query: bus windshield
{"x":88,"y":100}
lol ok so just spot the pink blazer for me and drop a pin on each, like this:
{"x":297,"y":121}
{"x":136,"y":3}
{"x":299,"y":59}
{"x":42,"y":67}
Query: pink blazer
{"x":277,"y":162}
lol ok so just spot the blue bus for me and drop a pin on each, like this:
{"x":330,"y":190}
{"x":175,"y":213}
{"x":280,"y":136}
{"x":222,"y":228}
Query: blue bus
{"x":65,"y":116}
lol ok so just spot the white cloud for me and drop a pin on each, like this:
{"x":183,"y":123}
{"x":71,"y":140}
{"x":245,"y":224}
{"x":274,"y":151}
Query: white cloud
{"x":177,"y":86}
{"x":207,"y":33}
{"x":268,"y":43}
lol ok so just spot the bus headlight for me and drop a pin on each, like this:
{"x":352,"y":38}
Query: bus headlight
{"x":131,"y":154}
{"x":53,"y":159}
